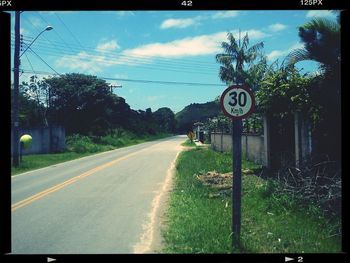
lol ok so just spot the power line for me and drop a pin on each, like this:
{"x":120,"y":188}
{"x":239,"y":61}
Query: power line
{"x":101,"y":59}
{"x":130,"y":59}
{"x":56,"y":32}
{"x":123,"y":79}
{"x":73,"y":35}
{"x":105,"y":61}
{"x":164,"y":82}
{"x":38,"y":31}
{"x":170,"y":65}
{"x":138,"y":58}
{"x":109,"y":61}
{"x":140,"y":80}
{"x":31,"y":50}
{"x":31,"y":66}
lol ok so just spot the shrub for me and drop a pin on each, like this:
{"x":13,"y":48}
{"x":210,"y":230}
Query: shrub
{"x":81,"y":144}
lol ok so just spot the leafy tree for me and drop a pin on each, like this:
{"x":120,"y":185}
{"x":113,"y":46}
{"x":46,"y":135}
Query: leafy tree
{"x":256,"y":73}
{"x":39,"y":92}
{"x":219,"y":123}
{"x":77,"y":101}
{"x":30,"y":113}
{"x":195,"y":112}
{"x":283,"y":90}
{"x":165,"y":120}
{"x":84,"y":104}
{"x":238,"y":55}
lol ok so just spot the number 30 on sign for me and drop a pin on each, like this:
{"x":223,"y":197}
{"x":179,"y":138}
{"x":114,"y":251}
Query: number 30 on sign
{"x":237,"y":101}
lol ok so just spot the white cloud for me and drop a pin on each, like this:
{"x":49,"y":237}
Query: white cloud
{"x":186,"y":22}
{"x":190,"y":46}
{"x":82,"y":61}
{"x":273,"y":55}
{"x":319,"y":13}
{"x":125,"y":13}
{"x":154,"y":98}
{"x":179,"y":23}
{"x":252,"y":34}
{"x":37,"y":22}
{"x":225,"y":14}
{"x":92,"y":63}
{"x":24,"y":31}
{"x":107,"y":46}
{"x":277,"y":27}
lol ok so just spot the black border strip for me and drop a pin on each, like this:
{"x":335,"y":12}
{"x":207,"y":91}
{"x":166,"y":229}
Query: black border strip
{"x":5,"y":77}
{"x":5,"y":172}
{"x":217,"y":258}
{"x":171,"y":4}
{"x":344,"y":22}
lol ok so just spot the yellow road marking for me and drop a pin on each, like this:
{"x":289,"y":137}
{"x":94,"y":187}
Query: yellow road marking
{"x":57,"y":187}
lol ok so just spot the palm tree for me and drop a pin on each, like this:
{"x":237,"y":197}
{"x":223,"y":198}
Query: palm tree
{"x":321,"y":38}
{"x":237,"y":55}
{"x":233,"y":70}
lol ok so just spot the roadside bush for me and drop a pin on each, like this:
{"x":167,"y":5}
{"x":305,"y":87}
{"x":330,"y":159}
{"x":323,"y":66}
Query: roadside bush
{"x":118,"y":138}
{"x":81,"y":144}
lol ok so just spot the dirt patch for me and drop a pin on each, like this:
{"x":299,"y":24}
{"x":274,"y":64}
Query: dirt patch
{"x":215,"y":180}
{"x":222,"y":182}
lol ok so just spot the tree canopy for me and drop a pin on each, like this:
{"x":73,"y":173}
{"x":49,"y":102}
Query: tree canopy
{"x":237,"y":55}
{"x":85,"y":104}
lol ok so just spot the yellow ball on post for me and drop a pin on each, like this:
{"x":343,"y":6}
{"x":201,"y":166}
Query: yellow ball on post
{"x":26,"y":140}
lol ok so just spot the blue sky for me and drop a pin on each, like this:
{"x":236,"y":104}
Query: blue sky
{"x":170,"y":46}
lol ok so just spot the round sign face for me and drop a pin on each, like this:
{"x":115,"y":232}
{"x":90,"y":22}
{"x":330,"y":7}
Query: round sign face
{"x":237,"y":102}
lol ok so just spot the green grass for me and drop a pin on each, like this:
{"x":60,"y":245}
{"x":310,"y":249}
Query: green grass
{"x":79,"y":146}
{"x":36,"y":161}
{"x":189,"y":143}
{"x":197,"y":223}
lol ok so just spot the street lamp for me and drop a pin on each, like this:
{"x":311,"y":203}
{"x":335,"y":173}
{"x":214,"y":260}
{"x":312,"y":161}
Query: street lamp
{"x":15,"y":137}
{"x":48,"y":28}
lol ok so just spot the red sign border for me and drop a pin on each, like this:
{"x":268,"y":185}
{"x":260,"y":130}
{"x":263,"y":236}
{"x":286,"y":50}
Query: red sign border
{"x":247,"y":89}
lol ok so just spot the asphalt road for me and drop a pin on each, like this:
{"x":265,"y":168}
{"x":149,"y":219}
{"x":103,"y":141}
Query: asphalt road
{"x":101,"y":204}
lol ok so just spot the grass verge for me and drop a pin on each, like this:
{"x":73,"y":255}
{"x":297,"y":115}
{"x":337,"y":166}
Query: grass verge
{"x":36,"y":161}
{"x":199,"y":219}
{"x":189,"y":143}
{"x":79,"y":146}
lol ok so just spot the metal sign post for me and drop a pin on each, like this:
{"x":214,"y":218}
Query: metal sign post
{"x":237,"y":102}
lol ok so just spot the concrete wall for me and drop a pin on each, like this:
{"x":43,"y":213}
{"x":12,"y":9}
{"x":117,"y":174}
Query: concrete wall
{"x":45,"y":140}
{"x":257,"y":147}
{"x":252,"y":146}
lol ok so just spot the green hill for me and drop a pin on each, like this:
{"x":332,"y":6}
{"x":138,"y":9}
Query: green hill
{"x":196,"y":112}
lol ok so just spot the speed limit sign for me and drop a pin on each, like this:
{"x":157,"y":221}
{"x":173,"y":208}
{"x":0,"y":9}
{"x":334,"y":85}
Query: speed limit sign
{"x":237,"y":102}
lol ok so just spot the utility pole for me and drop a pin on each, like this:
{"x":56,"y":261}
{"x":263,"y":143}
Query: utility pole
{"x":15,"y":106}
{"x":237,"y":181}
{"x":114,"y":86}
